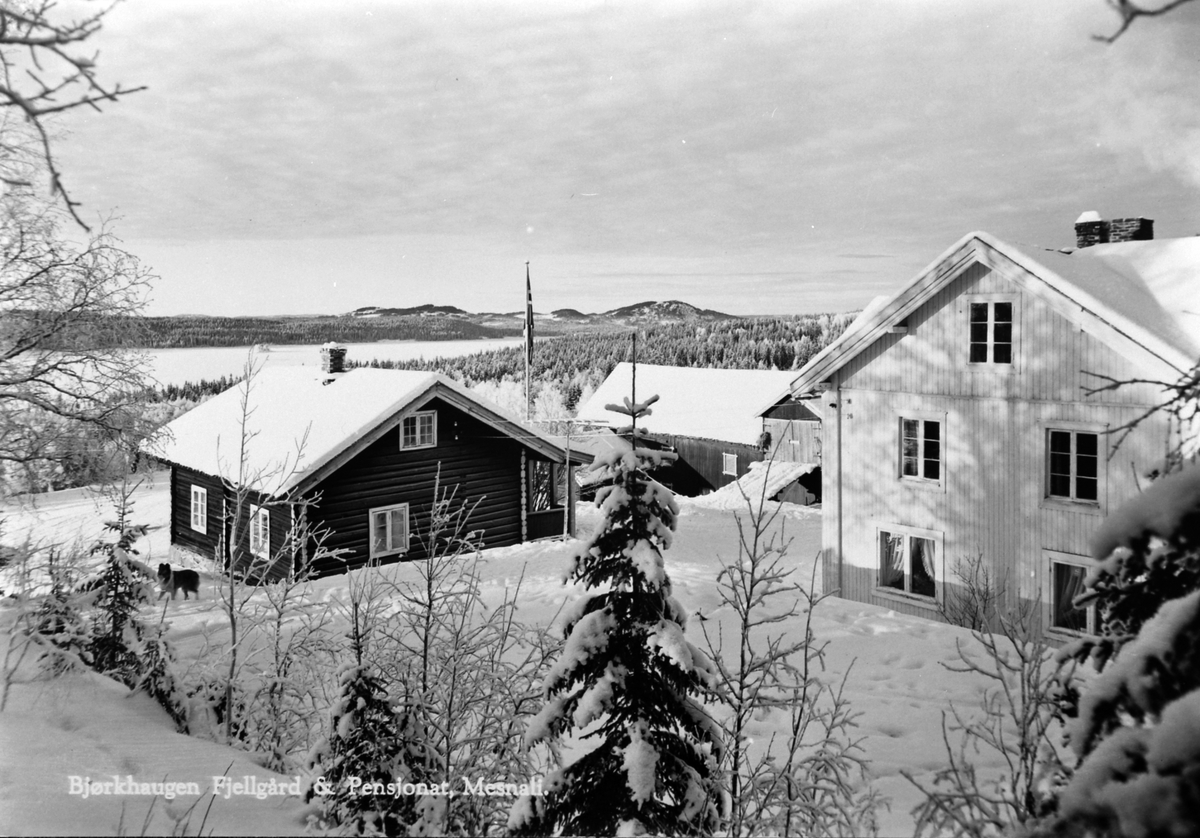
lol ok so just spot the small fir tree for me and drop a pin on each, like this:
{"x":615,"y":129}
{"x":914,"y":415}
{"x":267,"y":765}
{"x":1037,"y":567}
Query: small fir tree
{"x":627,"y":679}
{"x":122,"y":589}
{"x":59,"y":621}
{"x":363,"y":745}
{"x":158,"y":678}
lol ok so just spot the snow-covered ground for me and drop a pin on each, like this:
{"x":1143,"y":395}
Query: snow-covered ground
{"x":87,"y":726}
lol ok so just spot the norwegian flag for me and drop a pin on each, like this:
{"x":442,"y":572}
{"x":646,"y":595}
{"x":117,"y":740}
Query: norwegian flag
{"x":528,"y":319}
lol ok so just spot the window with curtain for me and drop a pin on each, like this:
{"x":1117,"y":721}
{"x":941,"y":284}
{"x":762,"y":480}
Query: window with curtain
{"x":908,"y":563}
{"x":1067,"y":583}
{"x":389,"y":530}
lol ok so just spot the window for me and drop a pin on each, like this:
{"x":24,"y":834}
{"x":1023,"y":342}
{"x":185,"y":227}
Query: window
{"x":419,"y":430}
{"x":389,"y":530}
{"x":1073,"y":465}
{"x":543,"y":487}
{"x":920,"y":449}
{"x":1067,"y":576}
{"x":260,"y":531}
{"x":908,"y":561}
{"x":991,"y":333}
{"x":729,"y":464}
{"x":199,"y":509}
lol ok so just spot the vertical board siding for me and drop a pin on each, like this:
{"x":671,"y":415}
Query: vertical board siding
{"x":794,"y":440}
{"x":702,"y":466}
{"x":1056,"y":360}
{"x":481,"y":466}
{"x":992,"y":499}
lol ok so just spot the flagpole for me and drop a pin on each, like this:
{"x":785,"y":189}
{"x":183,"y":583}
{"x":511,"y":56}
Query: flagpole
{"x":528,"y":345}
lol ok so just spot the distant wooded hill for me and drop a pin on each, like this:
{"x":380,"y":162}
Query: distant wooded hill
{"x":425,"y":322}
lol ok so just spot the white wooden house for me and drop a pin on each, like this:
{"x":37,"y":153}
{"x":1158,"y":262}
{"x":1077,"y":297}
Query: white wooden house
{"x":961,"y":417}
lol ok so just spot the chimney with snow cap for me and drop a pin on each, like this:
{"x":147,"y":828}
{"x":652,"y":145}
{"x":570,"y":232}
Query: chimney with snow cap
{"x":1090,"y":229}
{"x":333,"y":358}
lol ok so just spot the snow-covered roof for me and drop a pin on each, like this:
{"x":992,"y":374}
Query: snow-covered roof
{"x":693,"y":401}
{"x":762,"y":482}
{"x":1142,"y":298}
{"x":297,"y":420}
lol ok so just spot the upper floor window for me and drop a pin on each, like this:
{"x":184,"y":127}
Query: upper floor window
{"x":419,"y":430}
{"x":1073,"y":465}
{"x":921,"y":449}
{"x":991,"y":332}
{"x":199,"y":509}
{"x":260,"y":531}
{"x":729,"y":464}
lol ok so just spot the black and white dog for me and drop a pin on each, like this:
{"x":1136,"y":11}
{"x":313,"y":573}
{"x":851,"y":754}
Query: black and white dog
{"x":170,"y":581}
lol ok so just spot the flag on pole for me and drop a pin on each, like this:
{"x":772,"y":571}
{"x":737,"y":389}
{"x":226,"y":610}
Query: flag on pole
{"x":528,"y":319}
{"x":528,"y":346}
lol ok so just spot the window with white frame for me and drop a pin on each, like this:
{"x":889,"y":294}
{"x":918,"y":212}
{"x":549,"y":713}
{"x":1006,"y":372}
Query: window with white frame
{"x":908,"y":560}
{"x":1073,"y":465}
{"x":1067,"y":576}
{"x":920,"y":449}
{"x":199,"y":510}
{"x":991,"y":332}
{"x":260,"y":531}
{"x":419,"y":430}
{"x":729,"y":464}
{"x":389,"y":530}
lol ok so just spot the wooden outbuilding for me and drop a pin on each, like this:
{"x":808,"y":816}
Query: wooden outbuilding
{"x":263,"y":469}
{"x":967,"y":418}
{"x":709,"y":418}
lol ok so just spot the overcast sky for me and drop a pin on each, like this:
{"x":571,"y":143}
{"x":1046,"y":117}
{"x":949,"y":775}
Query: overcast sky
{"x":312,"y":156}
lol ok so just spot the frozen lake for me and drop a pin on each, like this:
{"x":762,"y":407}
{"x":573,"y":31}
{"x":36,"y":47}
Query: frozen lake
{"x":178,"y":366}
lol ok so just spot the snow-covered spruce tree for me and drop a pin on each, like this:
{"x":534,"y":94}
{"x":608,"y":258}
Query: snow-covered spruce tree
{"x":121,"y":644}
{"x":1135,"y":728}
{"x":121,"y":590}
{"x":627,"y":680}
{"x":59,"y":625}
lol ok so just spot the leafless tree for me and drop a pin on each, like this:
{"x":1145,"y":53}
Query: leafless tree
{"x":47,"y":68}
{"x":65,"y":312}
{"x":1130,"y":11}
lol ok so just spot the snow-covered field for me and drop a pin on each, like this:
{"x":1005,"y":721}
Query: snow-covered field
{"x":179,"y":366}
{"x":87,"y":726}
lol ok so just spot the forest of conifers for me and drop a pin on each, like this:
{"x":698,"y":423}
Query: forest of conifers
{"x":173,"y":332}
{"x":587,"y":357}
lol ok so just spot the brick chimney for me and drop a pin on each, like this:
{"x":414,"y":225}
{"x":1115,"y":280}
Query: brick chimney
{"x":1090,"y":229}
{"x":1130,"y":229}
{"x":333,"y":358}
